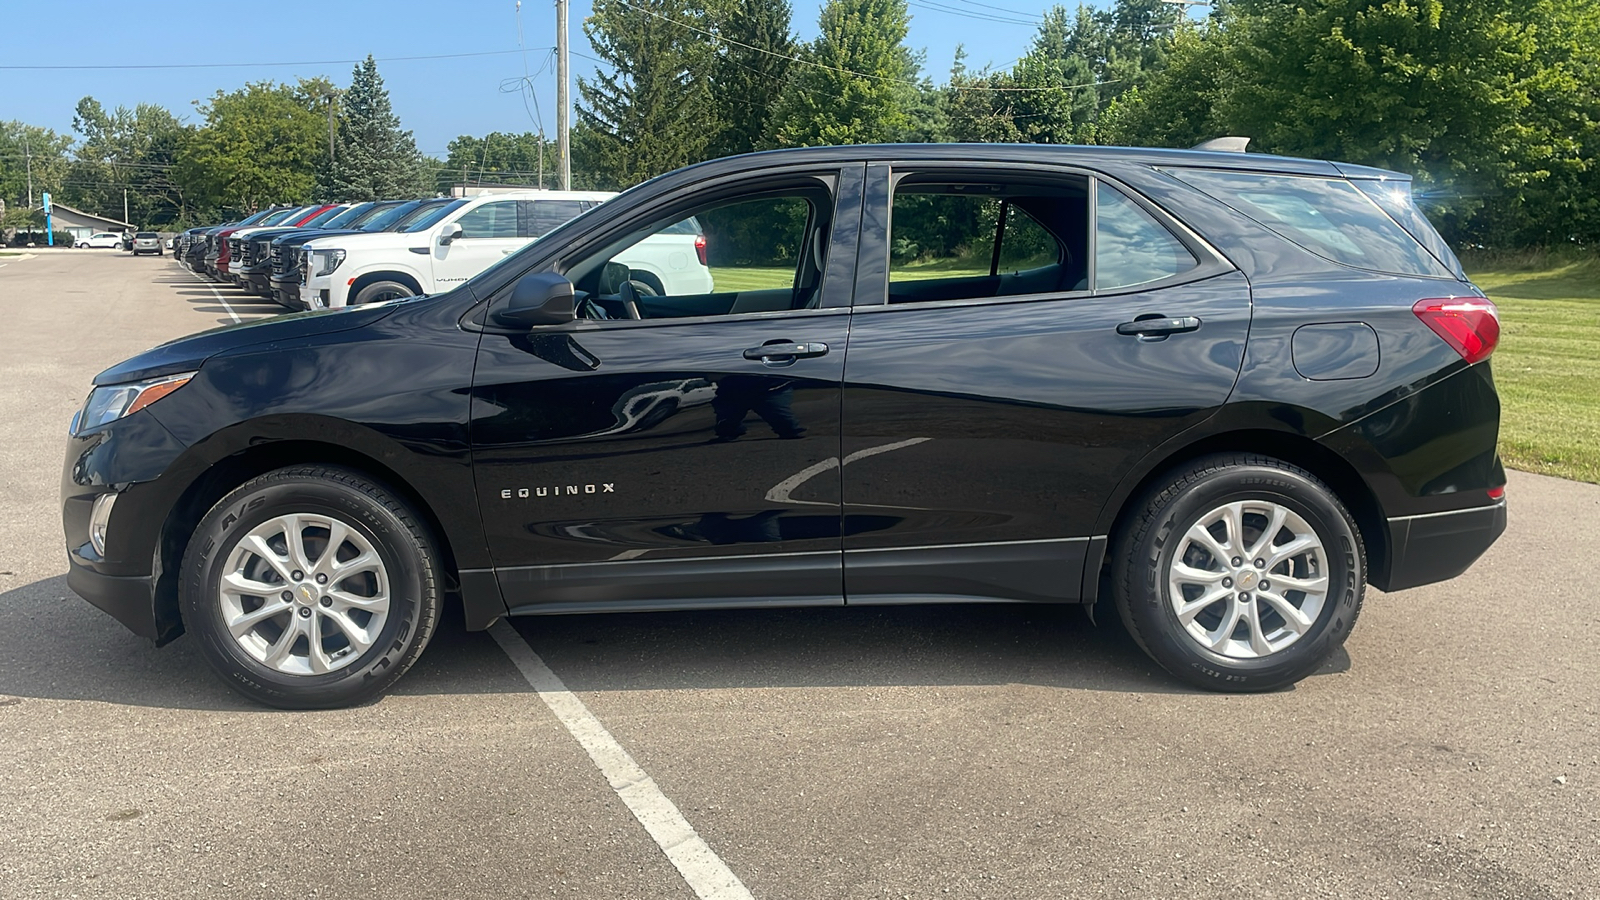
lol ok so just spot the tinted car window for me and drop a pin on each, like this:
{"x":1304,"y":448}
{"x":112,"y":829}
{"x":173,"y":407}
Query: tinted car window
{"x":1328,"y":216}
{"x":1131,"y":247}
{"x":146,"y":234}
{"x":1398,"y":201}
{"x":545,"y":215}
{"x":491,"y":220}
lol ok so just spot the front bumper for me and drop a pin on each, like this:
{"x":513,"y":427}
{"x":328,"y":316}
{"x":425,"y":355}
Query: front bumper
{"x":1439,"y":546}
{"x":130,"y":599}
{"x":126,"y":577}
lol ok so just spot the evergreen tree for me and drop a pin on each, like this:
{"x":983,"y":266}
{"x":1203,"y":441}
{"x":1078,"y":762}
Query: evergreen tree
{"x":748,"y":72}
{"x":651,"y":112}
{"x":373,"y":158}
{"x":850,"y":87}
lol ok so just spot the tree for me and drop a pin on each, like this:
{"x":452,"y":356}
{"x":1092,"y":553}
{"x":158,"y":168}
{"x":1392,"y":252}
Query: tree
{"x":500,"y":158}
{"x":23,"y":146}
{"x":1051,"y":95}
{"x":260,"y":145}
{"x":1177,"y":105}
{"x":651,"y":112}
{"x":748,"y":72}
{"x":127,"y":154}
{"x":373,"y":158}
{"x":850,"y":84}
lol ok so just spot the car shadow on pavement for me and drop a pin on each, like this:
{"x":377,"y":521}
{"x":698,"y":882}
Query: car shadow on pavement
{"x":53,"y":645}
{"x":946,"y":645}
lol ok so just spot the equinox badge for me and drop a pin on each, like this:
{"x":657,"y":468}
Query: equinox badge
{"x":557,"y":490}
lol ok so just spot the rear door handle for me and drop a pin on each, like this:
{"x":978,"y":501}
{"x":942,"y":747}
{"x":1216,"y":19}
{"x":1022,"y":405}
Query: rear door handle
{"x":786,"y":351}
{"x":1159,"y":326}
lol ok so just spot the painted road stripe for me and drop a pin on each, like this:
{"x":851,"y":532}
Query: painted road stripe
{"x":702,"y":869}
{"x":213,"y":288}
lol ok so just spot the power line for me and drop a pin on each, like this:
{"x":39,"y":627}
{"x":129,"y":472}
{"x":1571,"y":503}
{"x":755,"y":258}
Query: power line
{"x":981,"y":17}
{"x":249,"y":65}
{"x":1014,"y":12}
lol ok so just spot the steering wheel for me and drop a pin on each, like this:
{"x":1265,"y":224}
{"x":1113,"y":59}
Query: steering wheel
{"x":630,"y":292}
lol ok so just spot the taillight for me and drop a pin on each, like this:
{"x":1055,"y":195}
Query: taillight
{"x":1469,"y":324}
{"x":1497,"y":493}
{"x":700,"y":248}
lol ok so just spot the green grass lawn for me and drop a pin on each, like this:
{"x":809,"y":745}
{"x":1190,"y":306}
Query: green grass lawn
{"x":1547,"y":367}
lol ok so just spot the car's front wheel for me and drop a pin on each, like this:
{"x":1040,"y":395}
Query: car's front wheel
{"x":381,"y":291}
{"x":1240,"y":573}
{"x":310,"y":587}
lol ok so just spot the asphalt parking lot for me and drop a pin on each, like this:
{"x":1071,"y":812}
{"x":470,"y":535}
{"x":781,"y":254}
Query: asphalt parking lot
{"x":1004,"y":752}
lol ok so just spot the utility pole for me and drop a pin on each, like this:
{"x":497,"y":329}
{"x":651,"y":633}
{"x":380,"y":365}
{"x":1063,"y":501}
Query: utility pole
{"x":124,"y":204}
{"x":330,"y":95}
{"x":563,"y":129}
{"x":27,"y":150}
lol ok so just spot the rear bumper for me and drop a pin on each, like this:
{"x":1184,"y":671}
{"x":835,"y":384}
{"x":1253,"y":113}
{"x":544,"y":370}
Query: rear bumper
{"x":1439,"y":546}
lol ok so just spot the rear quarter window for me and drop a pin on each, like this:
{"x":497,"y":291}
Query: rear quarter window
{"x":1327,"y":216}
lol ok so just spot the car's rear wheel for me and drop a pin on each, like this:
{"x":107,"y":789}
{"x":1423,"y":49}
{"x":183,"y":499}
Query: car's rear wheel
{"x":310,"y":587}
{"x":1240,"y":573}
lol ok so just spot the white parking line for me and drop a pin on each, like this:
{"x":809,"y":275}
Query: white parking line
{"x":702,"y":869}
{"x":236,"y":319}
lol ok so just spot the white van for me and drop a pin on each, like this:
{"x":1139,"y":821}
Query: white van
{"x":459,"y":239}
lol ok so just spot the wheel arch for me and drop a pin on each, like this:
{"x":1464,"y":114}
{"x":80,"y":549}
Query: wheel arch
{"x":402,"y":276}
{"x":227,"y":473}
{"x":1329,"y":467}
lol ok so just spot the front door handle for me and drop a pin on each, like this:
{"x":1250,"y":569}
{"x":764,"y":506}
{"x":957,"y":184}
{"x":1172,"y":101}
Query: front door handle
{"x":1159,"y":326}
{"x":786,"y":351}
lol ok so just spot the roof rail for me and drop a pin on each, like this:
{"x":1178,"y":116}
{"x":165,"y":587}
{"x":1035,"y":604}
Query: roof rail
{"x":1224,"y":144}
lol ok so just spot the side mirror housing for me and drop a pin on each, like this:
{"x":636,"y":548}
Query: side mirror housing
{"x":539,"y":298}
{"x":449,"y":233}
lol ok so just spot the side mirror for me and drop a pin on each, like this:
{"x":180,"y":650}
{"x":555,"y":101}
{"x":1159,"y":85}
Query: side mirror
{"x":542,"y":298}
{"x":449,"y":233}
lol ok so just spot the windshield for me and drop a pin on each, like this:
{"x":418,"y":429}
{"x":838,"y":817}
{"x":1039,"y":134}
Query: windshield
{"x":427,"y":218}
{"x":347,"y":215}
{"x":146,"y":234}
{"x":278,"y":216}
{"x":322,"y":217}
{"x":389,"y":216}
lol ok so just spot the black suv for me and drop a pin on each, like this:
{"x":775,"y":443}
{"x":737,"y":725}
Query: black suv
{"x":1225,"y":391}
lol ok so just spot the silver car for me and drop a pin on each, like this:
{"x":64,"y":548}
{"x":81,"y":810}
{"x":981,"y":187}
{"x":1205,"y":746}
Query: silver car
{"x":147,"y":242}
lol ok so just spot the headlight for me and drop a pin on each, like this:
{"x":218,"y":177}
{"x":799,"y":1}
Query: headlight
{"x":111,"y":402}
{"x":324,"y":262}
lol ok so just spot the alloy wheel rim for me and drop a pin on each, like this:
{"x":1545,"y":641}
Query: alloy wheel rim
{"x":304,"y":594}
{"x":1248,"y":579}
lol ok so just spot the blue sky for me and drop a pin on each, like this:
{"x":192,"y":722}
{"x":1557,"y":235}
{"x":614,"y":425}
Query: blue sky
{"x":437,"y":98}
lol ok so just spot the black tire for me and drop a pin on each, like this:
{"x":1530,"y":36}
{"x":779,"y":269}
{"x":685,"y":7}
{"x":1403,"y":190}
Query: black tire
{"x":379,"y":291}
{"x":378,"y":515}
{"x":1143,"y":554}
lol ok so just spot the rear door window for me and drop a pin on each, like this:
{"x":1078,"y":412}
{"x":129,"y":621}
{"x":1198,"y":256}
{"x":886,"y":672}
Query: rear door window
{"x":1327,"y":216}
{"x":958,"y":240}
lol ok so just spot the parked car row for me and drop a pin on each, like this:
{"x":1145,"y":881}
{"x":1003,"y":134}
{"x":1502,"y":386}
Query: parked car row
{"x":334,"y":255}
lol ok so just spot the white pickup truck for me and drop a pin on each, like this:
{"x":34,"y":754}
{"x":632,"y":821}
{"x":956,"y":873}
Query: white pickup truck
{"x":457,"y":240}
